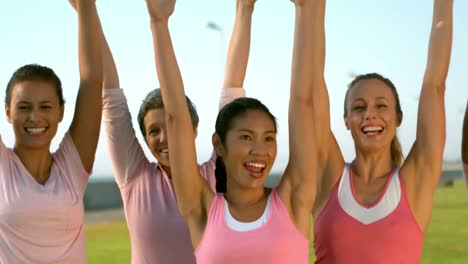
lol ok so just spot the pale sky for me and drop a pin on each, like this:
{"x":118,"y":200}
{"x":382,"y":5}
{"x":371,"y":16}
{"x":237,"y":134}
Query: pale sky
{"x":389,"y":37}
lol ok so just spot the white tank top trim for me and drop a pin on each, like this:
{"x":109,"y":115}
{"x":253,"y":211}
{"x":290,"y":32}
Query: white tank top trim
{"x":387,"y":204}
{"x":246,"y":226}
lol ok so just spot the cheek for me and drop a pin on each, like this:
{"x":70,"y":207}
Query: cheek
{"x":354,"y":120}
{"x":274,"y":149}
{"x":150,"y":143}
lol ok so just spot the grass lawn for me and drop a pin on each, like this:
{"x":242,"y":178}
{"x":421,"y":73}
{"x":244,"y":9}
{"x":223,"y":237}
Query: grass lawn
{"x":446,"y":240}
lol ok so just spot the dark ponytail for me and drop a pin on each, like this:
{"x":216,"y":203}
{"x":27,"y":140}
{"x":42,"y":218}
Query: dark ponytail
{"x":221,"y":178}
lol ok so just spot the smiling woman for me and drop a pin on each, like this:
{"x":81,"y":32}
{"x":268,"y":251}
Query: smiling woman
{"x":155,"y":225}
{"x":41,"y":202}
{"x":380,"y":205}
{"x":34,"y":106}
{"x":256,"y":224}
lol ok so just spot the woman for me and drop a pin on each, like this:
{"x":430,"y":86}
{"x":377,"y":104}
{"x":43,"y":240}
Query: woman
{"x":248,"y":223}
{"x":41,"y":203}
{"x":376,"y":209}
{"x":157,"y":230}
{"x":465,"y":144}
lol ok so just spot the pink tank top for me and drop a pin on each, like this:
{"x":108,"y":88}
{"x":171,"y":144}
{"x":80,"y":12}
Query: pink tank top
{"x":275,"y":242}
{"x":349,"y":232}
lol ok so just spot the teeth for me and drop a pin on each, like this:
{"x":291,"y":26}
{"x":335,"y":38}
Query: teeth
{"x":35,"y":131}
{"x":257,"y":165}
{"x":372,"y":129}
{"x":165,"y":151}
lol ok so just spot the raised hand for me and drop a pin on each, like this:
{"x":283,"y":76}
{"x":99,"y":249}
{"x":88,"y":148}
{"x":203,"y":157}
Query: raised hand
{"x":74,"y":5}
{"x":298,"y":2}
{"x":160,"y":10}
{"x":249,"y":3}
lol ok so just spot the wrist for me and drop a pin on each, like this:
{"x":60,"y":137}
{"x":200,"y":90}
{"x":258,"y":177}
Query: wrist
{"x":245,"y":8}
{"x":158,"y":22}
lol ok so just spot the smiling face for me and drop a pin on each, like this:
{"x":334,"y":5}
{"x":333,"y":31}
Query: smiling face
{"x":249,"y":150}
{"x":371,"y":114}
{"x":35,"y":112}
{"x":156,"y":136}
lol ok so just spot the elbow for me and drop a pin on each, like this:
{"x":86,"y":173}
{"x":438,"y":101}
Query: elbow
{"x":436,"y":85}
{"x":93,"y":83}
{"x":307,"y":94}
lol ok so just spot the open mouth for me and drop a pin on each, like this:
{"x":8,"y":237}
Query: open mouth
{"x":255,"y":168}
{"x":372,"y":130}
{"x":35,"y":130}
{"x":164,"y":151}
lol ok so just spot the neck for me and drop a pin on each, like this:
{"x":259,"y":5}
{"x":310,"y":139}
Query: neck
{"x":167,"y":170}
{"x":37,"y":162}
{"x":371,"y":165}
{"x":245,"y":197}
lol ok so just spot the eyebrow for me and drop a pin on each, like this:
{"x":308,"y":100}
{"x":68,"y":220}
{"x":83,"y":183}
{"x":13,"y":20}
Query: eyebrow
{"x":252,"y":132}
{"x":362,"y":99}
{"x":41,"y":102}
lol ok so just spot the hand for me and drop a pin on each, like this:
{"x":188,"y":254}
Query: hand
{"x":249,"y":3}
{"x":160,"y":10}
{"x":74,"y":4}
{"x":298,"y":2}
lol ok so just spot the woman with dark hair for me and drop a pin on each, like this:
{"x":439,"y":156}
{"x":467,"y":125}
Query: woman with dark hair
{"x":465,"y":144}
{"x":376,"y":209}
{"x":248,"y":223}
{"x":158,"y":232}
{"x":41,"y":193}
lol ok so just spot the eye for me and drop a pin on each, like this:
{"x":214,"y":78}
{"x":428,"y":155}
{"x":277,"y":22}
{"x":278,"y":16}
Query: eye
{"x":154,"y":131}
{"x":270,"y":139}
{"x":358,"y":108}
{"x":381,"y":106}
{"x":46,"y":107}
{"x":245,"y":137}
{"x":23,"y":107}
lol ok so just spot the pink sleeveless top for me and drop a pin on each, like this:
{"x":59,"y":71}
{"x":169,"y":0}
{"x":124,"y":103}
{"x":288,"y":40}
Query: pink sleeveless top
{"x":276,"y":242}
{"x":349,"y":232}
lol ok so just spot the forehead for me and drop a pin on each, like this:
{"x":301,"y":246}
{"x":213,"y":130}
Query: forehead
{"x":155,"y":117}
{"x":254,"y":120}
{"x":370,"y":90}
{"x":32,"y":91}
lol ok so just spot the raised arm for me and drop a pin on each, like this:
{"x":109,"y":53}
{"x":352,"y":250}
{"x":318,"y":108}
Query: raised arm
{"x":298,"y":186}
{"x":110,"y":75}
{"x":86,"y":122}
{"x":239,"y":45}
{"x":421,"y":170}
{"x":124,"y":149}
{"x":193,"y":193}
{"x":308,"y":78}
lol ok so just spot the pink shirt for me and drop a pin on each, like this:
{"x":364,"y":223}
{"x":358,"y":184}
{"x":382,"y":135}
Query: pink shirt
{"x":158,"y":232}
{"x":42,"y":223}
{"x":275,"y":242}
{"x":348,"y":232}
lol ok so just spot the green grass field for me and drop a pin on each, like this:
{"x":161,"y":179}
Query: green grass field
{"x":446,"y":240}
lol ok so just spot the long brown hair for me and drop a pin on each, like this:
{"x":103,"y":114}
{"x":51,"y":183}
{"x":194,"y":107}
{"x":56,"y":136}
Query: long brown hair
{"x":395,"y":148}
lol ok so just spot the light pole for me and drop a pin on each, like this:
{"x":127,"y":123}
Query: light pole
{"x":216,"y":27}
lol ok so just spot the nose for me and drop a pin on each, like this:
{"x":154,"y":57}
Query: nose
{"x":370,"y":113}
{"x":34,"y":115}
{"x":258,"y":148}
{"x":162,"y":136}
